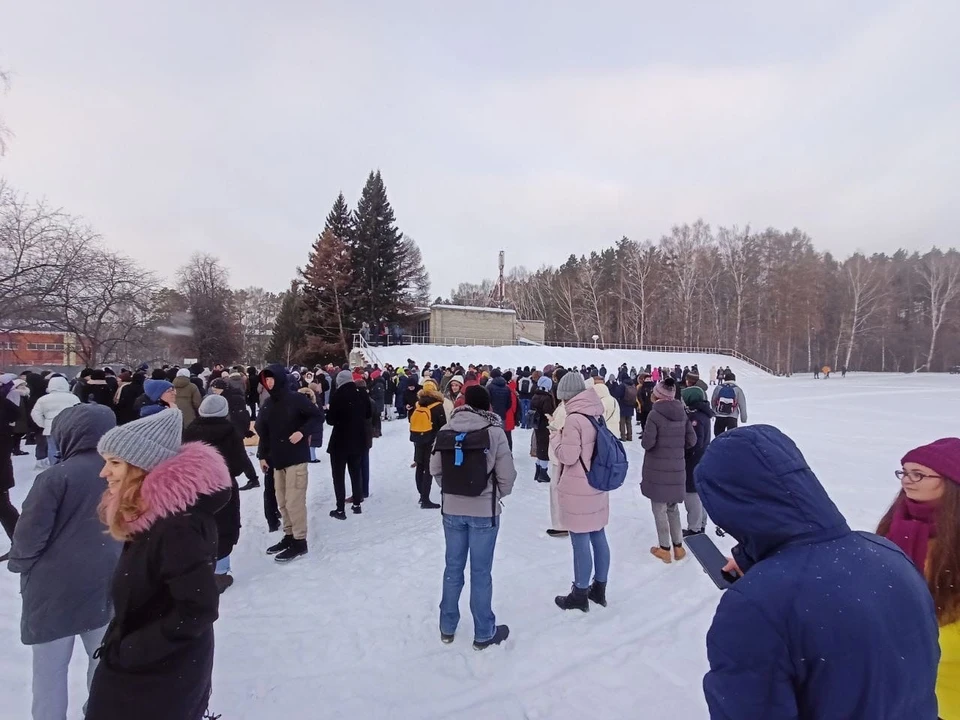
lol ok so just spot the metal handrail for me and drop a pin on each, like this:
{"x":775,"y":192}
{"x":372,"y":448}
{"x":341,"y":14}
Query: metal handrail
{"x":491,"y":342}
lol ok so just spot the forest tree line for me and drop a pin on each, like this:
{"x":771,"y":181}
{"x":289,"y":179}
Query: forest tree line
{"x":769,"y":295}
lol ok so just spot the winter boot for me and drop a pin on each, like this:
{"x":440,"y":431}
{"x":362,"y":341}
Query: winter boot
{"x":357,"y":509}
{"x":338,"y":514}
{"x":428,"y":504}
{"x":557,"y":533}
{"x":679,"y":553}
{"x":598,"y":593}
{"x":222,"y":582}
{"x":285,"y":543}
{"x":446,"y":639}
{"x":538,"y":474}
{"x":501,"y":633}
{"x":250,"y":485}
{"x":690,"y":533}
{"x":576,"y":600}
{"x":544,"y":476}
{"x":296,"y":550}
{"x":661,"y":553}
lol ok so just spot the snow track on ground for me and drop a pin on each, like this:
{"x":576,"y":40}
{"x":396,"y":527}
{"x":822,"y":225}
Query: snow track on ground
{"x":351,"y":630}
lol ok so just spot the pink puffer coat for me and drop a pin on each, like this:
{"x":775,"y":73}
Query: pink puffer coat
{"x":582,"y":508}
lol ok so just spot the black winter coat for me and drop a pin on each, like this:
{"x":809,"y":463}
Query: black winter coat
{"x":99,"y":392}
{"x":156,"y":660}
{"x":284,"y":413}
{"x":8,"y":416}
{"x":220,"y":434}
{"x":699,"y":416}
{"x":239,"y":413}
{"x":544,"y":404}
{"x":126,"y":408}
{"x":348,"y":414}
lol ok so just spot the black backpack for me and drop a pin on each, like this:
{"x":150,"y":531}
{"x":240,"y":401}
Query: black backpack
{"x":463,"y":461}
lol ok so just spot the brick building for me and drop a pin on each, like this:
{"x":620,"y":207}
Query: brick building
{"x":38,"y":348}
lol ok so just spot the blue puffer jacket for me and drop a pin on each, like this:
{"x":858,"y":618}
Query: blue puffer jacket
{"x":826,"y":622}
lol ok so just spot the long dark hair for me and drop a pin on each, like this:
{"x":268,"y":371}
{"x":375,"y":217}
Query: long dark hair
{"x":942,"y":569}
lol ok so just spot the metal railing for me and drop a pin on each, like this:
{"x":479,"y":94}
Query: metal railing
{"x":493,"y":342}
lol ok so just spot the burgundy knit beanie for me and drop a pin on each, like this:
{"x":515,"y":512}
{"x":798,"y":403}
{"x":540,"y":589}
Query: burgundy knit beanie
{"x":942,"y":456}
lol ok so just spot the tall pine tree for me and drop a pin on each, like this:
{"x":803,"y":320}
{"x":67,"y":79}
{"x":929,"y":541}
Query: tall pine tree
{"x":377,"y":257}
{"x":287,"y":340}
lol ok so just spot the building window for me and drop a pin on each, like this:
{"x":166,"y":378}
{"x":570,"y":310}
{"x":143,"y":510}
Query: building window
{"x":8,"y":346}
{"x":45,"y":346}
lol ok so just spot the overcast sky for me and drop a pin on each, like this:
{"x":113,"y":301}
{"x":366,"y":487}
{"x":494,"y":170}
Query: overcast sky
{"x":542,"y":128}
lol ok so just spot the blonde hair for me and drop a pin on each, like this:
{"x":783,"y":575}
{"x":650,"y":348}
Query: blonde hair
{"x":123,"y":505}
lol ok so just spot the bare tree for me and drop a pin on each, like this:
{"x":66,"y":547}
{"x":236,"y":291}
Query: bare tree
{"x":107,"y":305}
{"x":683,"y":251}
{"x":5,"y":133}
{"x":216,"y":329}
{"x":866,"y":286}
{"x":39,"y":252}
{"x":736,"y":253}
{"x":258,"y":311}
{"x":941,"y":277}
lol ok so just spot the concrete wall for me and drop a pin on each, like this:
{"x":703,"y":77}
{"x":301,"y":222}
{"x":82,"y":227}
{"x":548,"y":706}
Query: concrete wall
{"x":448,"y":322}
{"x":530,"y":329}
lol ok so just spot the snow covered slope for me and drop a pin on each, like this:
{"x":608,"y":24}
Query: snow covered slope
{"x":351,"y":631}
{"x":539,"y":355}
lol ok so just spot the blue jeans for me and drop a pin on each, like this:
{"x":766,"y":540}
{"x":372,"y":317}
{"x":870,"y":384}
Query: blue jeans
{"x":365,"y":474}
{"x":53,"y":452}
{"x":478,"y":537}
{"x":583,"y":559}
{"x":524,"y":411}
{"x":223,"y":566}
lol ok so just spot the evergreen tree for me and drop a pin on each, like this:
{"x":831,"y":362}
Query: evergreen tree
{"x":339,"y":220}
{"x":378,"y":257}
{"x":327,"y":282}
{"x":287,"y":340}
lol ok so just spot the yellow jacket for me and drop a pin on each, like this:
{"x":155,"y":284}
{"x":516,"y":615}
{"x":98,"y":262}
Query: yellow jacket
{"x":948,"y":675}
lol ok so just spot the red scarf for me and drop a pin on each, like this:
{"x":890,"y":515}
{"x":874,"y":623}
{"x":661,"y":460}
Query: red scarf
{"x":911,"y":528}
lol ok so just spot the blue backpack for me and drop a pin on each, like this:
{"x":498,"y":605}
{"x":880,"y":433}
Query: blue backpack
{"x":608,"y":466}
{"x":727,"y":403}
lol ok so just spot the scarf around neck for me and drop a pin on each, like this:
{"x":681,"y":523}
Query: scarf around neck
{"x":912,"y":527}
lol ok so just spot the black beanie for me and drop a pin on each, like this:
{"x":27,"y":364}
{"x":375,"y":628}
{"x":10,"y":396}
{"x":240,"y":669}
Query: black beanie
{"x":495,"y":373}
{"x":476,"y":396}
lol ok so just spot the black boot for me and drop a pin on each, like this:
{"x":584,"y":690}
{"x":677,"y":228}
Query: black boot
{"x":557,"y":533}
{"x":576,"y":600}
{"x":251,"y":484}
{"x":501,"y":633}
{"x":598,"y":593}
{"x":285,"y":543}
{"x":538,"y":474}
{"x":296,"y":550}
{"x":222,"y":582}
{"x":428,"y":504}
{"x":357,"y":509}
{"x":545,"y":477}
{"x":338,"y":514}
{"x":688,"y":533}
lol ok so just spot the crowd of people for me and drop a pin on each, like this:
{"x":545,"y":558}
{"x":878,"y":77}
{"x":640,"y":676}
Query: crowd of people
{"x":822,"y":621}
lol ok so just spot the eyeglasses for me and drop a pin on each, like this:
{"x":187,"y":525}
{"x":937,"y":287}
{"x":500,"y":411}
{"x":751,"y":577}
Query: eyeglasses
{"x":915,"y":476}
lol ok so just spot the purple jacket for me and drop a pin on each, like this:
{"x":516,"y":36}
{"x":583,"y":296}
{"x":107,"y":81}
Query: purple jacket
{"x":582,"y":508}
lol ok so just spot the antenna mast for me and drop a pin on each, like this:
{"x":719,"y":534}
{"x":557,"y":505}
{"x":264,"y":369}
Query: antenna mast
{"x":500,"y":292}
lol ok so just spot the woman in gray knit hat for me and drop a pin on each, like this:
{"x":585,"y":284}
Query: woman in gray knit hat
{"x":156,"y":659}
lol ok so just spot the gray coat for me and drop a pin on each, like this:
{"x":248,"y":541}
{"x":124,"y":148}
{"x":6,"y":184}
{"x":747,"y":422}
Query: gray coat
{"x":60,"y":548}
{"x":741,"y":402}
{"x":666,"y":437}
{"x":499,"y":461}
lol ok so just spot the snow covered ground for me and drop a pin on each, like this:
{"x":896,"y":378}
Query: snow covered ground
{"x":351,"y":630}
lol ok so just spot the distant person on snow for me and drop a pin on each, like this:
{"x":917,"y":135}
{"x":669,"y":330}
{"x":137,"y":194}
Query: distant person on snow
{"x":426,"y":418}
{"x":729,"y":404}
{"x":474,"y":468}
{"x":825,"y":622}
{"x":699,"y":415}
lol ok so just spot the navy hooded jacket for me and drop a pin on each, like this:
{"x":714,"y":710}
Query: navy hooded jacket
{"x":500,"y":398}
{"x":826,"y":622}
{"x":284,"y":413}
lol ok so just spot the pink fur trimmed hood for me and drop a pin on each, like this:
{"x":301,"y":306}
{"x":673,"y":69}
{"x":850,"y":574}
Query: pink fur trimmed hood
{"x":178,"y":483}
